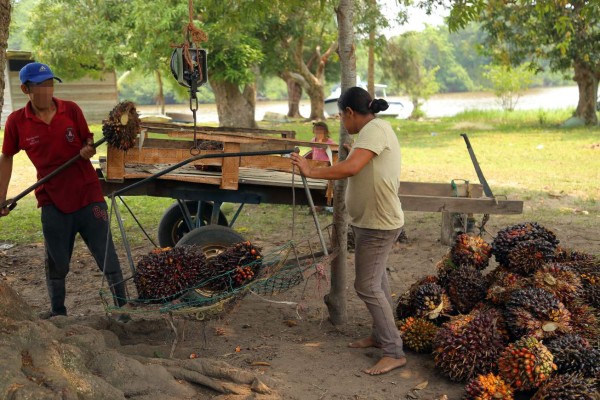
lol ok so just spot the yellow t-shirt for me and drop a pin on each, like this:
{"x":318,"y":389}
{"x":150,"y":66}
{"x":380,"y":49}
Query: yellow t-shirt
{"x":372,"y":194}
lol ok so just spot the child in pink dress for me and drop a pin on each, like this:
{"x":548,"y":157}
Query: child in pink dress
{"x":321,"y":132}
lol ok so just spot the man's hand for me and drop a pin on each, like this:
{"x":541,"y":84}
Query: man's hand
{"x":301,"y":163}
{"x":4,"y":211}
{"x":88,"y":150}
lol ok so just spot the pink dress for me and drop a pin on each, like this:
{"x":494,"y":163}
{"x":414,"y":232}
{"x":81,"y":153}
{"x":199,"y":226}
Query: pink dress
{"x":319,"y":153}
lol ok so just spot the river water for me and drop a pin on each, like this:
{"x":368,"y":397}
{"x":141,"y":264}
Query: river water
{"x":440,"y":105}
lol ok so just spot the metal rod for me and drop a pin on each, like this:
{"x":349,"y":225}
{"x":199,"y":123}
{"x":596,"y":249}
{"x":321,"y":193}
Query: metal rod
{"x":123,"y":235}
{"x":314,"y":214}
{"x":237,"y":213}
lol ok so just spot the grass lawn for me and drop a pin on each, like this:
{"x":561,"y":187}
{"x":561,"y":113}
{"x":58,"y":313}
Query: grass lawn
{"x":524,"y":155}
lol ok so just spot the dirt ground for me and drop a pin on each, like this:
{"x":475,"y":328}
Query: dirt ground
{"x":286,"y":337}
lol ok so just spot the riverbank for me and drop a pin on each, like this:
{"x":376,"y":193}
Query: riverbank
{"x":439,"y":105}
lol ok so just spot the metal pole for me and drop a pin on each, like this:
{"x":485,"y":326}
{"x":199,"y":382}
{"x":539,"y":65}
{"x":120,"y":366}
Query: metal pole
{"x":314,"y":214}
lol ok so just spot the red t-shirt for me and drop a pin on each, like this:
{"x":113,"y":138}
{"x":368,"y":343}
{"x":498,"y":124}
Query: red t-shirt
{"x":48,"y":146}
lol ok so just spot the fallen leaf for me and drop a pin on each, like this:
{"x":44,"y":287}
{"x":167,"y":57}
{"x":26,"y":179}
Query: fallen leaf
{"x":312,"y":344}
{"x":219,"y":331}
{"x":290,"y":322}
{"x":421,"y":385}
{"x":260,"y":364}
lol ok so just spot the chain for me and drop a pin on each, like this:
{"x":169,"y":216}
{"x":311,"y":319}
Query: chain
{"x":193,"y":36}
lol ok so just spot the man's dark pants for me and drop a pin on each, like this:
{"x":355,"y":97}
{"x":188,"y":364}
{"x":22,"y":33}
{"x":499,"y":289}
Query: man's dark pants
{"x":60,"y":229}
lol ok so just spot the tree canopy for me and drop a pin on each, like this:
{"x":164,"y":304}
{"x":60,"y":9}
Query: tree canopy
{"x":565,"y":33}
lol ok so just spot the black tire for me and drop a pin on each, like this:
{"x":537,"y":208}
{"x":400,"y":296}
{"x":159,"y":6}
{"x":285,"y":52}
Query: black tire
{"x":213,"y":239}
{"x":172,"y":227}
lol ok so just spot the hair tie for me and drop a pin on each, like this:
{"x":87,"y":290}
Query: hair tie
{"x":370,"y":103}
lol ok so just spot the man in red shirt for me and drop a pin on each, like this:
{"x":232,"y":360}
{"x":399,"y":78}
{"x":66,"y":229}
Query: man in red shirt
{"x":52,"y":131}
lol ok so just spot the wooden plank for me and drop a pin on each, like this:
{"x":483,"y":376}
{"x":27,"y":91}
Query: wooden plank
{"x":182,"y":178}
{"x":231,"y":167}
{"x":440,"y":189}
{"x":460,"y":205}
{"x":162,"y":127}
{"x":248,"y":138}
{"x":115,"y":168}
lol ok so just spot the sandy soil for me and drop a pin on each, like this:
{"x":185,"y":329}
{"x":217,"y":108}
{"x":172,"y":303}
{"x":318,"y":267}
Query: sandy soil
{"x":306,"y":355}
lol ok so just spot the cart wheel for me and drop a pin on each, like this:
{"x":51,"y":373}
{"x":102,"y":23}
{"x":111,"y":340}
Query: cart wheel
{"x":172,"y":226}
{"x":213,"y":239}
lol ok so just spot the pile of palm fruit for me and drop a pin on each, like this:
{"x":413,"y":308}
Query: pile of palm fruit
{"x":528,"y":327}
{"x":166,"y":273}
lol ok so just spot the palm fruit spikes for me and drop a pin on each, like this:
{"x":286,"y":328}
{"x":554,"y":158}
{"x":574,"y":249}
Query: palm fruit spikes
{"x":466,"y":287}
{"x":470,"y":250}
{"x":502,"y":284}
{"x":577,"y":260}
{"x":122,"y":126}
{"x":559,"y":280}
{"x":590,"y":282}
{"x":429,"y":301}
{"x":488,"y":387}
{"x":573,"y":354}
{"x":417,"y":333}
{"x":469,"y":345}
{"x":526,"y":364}
{"x":566,"y":387}
{"x":585,"y":321}
{"x":404,"y":306}
{"x":234,"y":267}
{"x":536,"y":312}
{"x":166,"y":273}
{"x":508,"y":238}
{"x":528,"y":256}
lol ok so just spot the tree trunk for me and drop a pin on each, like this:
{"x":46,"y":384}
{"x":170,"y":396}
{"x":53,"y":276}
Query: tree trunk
{"x":317,"y":101}
{"x":587,"y":81}
{"x":160,"y":97}
{"x":4,"y":25}
{"x":294,"y":94}
{"x":336,"y":299}
{"x":371,"y":60}
{"x":235,"y":108}
{"x":313,"y":83}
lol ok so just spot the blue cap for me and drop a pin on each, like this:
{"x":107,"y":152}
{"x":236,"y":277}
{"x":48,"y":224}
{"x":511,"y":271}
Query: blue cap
{"x":36,"y":72}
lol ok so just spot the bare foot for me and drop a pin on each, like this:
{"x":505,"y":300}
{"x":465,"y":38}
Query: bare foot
{"x":385,"y":365}
{"x":364,"y":343}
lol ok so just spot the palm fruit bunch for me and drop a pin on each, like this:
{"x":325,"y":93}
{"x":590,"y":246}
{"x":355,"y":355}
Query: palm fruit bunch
{"x":579,"y":261}
{"x":429,"y":300}
{"x":528,"y":256}
{"x":417,"y":333}
{"x":444,"y":267}
{"x":488,"y":387}
{"x":167,"y":272}
{"x":466,"y":287}
{"x":536,"y":312}
{"x":122,"y":126}
{"x":559,"y":280}
{"x":469,"y":345}
{"x":404,"y":306}
{"x":234,"y":267}
{"x":585,"y":321}
{"x":573,"y":354}
{"x":470,"y":250}
{"x":590,"y":288}
{"x":568,"y":387}
{"x":526,"y":364}
{"x":501,"y":285}
{"x":506,"y":239}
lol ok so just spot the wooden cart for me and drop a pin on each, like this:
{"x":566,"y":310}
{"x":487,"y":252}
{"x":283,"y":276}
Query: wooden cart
{"x":201,"y":187}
